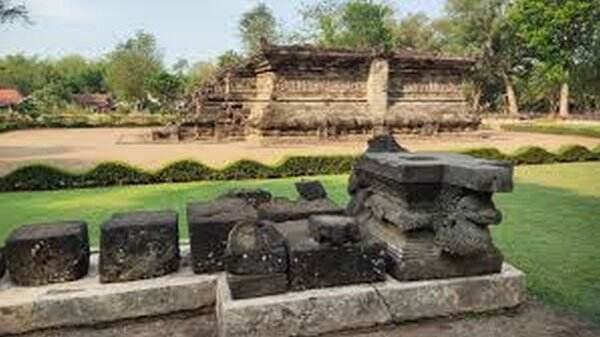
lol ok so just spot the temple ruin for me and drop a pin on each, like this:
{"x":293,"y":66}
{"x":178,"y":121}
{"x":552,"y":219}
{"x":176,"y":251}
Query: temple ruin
{"x":309,"y":91}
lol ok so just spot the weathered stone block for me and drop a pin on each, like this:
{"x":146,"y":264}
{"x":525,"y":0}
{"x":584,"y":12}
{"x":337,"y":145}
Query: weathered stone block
{"x":209,"y":226}
{"x":333,"y":229}
{"x":250,"y":286}
{"x":2,"y":263}
{"x":311,"y":190}
{"x":256,"y":249}
{"x":48,"y":253}
{"x":280,"y":209}
{"x":314,"y":265}
{"x":140,"y":245}
{"x":252,"y":197}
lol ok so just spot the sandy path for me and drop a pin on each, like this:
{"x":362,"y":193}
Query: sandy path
{"x":83,"y":148}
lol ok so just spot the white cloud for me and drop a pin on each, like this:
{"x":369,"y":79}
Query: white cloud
{"x":58,"y":9}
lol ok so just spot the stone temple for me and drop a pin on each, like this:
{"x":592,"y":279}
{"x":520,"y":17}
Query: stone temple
{"x":413,"y":243}
{"x":308,"y":91}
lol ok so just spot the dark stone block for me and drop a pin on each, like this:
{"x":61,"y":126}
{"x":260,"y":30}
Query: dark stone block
{"x":209,"y":226}
{"x":2,"y":264}
{"x":42,"y":254}
{"x":140,"y":245}
{"x":384,"y":143}
{"x":252,"y":197}
{"x":313,"y":265}
{"x":256,"y":249}
{"x":280,"y":210}
{"x":333,"y":229}
{"x":311,"y":190}
{"x":250,"y":286}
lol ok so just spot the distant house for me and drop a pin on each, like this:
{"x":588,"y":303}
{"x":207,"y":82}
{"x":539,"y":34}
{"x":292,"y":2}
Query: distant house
{"x":95,"y":102}
{"x":10,"y":98}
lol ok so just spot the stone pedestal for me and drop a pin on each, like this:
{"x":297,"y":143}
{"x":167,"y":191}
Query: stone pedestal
{"x":137,"y":246}
{"x":311,"y":190}
{"x":280,"y":209}
{"x":42,"y":254}
{"x":209,"y":226}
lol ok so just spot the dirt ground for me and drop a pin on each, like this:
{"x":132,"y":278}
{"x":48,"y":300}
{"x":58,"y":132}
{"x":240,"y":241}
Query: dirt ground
{"x":531,"y":320}
{"x":83,"y":148}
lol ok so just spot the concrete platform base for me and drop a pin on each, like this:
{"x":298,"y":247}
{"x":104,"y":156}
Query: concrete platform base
{"x":316,"y":312}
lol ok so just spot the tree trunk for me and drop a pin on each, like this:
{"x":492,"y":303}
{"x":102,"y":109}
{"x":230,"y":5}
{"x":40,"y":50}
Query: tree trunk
{"x":511,"y":95}
{"x":477,"y":100}
{"x":564,"y":101}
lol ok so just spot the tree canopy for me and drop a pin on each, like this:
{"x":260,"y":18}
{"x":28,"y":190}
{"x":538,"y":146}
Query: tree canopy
{"x":256,"y":25}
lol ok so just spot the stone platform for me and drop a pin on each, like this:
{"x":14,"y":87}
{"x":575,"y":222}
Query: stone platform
{"x":184,"y":304}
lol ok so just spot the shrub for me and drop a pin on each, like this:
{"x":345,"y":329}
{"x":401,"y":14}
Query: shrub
{"x":184,"y":171}
{"x":533,"y":155}
{"x":575,"y":153}
{"x":36,"y":178}
{"x":596,"y":150}
{"x":318,"y":165}
{"x":487,"y":153}
{"x":111,"y":174}
{"x":246,"y":169}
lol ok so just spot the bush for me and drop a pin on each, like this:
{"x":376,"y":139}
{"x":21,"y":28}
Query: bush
{"x":115,"y":174}
{"x":246,"y":169}
{"x":36,"y":178}
{"x":318,"y":165}
{"x":487,"y":153}
{"x":533,"y":155}
{"x":575,"y":153}
{"x":184,"y":171}
{"x":596,"y":150}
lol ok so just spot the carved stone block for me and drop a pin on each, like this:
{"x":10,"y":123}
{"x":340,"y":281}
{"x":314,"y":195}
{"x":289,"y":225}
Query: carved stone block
{"x":137,"y":246}
{"x":280,"y":210}
{"x":333,"y":229}
{"x":209,"y":226}
{"x":250,"y":286}
{"x":42,"y":254}
{"x":252,"y":197}
{"x":256,"y":249}
{"x":311,"y":190}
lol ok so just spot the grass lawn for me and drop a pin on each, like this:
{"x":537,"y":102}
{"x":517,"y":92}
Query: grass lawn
{"x":551,"y":228}
{"x":588,"y":129}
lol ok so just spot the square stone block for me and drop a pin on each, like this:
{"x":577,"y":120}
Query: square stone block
{"x":48,"y":253}
{"x":333,"y":229}
{"x":209,"y":226}
{"x":314,"y":265}
{"x":2,"y":264}
{"x":250,"y":286}
{"x":139,"y":245}
{"x":256,"y":249}
{"x":311,"y":190}
{"x":281,"y":209}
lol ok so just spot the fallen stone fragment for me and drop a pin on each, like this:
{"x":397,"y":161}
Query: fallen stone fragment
{"x":252,"y":197}
{"x":311,"y":190}
{"x":48,"y":253}
{"x":280,"y":209}
{"x":256,"y":249}
{"x":2,"y":264}
{"x":334,"y":229}
{"x":384,"y":143}
{"x":140,"y":245}
{"x":251,"y":286}
{"x":314,"y":265}
{"x":209,"y":226}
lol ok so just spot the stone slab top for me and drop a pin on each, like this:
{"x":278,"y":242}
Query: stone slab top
{"x":142,"y":219}
{"x":440,"y":168}
{"x":221,"y":210}
{"x":47,"y":231}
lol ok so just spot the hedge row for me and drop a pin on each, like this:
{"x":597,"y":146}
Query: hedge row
{"x":555,"y":129}
{"x":42,"y":177}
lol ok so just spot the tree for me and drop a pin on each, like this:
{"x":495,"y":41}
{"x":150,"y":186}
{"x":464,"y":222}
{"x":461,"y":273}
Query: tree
{"x":416,"y":32}
{"x":166,"y":88}
{"x":256,"y":25}
{"x":358,"y":24}
{"x":200,"y":74}
{"x":131,"y":66}
{"x":11,"y":13}
{"x":81,"y":75}
{"x":229,"y":59}
{"x":562,"y":34}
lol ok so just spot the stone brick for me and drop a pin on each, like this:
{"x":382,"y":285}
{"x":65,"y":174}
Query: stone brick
{"x":48,"y":253}
{"x":313,"y":265}
{"x":333,"y":229}
{"x":280,"y":209}
{"x":256,"y":249}
{"x":253,"y":197}
{"x":2,"y":264}
{"x":209,"y":226}
{"x":311,"y":190}
{"x":139,"y":245}
{"x":250,"y":286}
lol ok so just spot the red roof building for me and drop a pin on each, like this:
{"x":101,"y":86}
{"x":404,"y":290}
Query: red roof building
{"x":10,"y":98}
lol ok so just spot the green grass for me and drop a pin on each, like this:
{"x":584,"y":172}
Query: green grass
{"x":557,"y":128}
{"x":551,"y":228}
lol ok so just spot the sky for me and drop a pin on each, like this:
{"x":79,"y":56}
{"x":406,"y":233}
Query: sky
{"x":197,"y":30}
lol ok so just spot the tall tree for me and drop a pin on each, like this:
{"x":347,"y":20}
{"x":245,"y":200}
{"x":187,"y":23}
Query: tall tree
{"x":350,"y":24}
{"x":132,"y":65}
{"x":10,"y":12}
{"x":561,"y":33}
{"x":256,"y":25}
{"x":416,"y":32}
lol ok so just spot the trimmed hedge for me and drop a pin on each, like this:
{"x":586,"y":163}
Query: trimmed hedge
{"x":42,"y":177}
